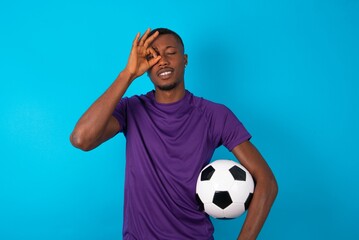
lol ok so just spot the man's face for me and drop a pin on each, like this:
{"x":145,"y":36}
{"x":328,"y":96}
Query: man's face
{"x":168,"y":72}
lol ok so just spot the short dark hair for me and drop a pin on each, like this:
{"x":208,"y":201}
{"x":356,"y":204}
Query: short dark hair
{"x":163,"y":31}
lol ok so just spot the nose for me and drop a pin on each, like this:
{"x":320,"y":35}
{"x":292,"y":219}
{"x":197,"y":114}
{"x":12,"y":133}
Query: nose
{"x":163,"y":61}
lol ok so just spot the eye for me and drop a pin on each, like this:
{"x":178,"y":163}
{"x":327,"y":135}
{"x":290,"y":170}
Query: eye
{"x":149,"y":57}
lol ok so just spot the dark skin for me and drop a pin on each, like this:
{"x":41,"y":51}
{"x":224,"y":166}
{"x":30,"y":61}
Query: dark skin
{"x":163,"y":58}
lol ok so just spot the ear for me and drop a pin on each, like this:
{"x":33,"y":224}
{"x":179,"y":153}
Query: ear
{"x":185,"y":58}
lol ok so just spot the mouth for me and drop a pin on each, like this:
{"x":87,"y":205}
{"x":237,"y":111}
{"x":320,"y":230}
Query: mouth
{"x":165,"y":73}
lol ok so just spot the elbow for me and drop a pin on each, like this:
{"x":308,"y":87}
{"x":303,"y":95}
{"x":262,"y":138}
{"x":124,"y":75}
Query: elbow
{"x":79,"y":141}
{"x":268,"y":188}
{"x":272,"y":188}
{"x":275,"y":189}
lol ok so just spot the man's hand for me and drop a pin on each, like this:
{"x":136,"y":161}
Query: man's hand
{"x":142,"y":56}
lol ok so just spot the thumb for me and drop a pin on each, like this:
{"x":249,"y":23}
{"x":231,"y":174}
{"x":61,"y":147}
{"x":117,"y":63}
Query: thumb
{"x":154,"y":60}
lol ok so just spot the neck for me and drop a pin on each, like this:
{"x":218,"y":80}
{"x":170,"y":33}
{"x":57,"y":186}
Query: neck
{"x":169,"y":96}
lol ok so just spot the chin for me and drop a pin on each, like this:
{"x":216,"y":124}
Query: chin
{"x":167,"y":87}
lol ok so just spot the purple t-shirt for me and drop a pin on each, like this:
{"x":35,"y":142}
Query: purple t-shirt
{"x":167,"y":147}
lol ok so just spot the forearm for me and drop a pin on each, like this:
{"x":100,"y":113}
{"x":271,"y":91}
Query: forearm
{"x":263,"y":198}
{"x":93,"y":122}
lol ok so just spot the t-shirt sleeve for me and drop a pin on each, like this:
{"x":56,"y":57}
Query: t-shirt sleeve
{"x":120,"y":113}
{"x":230,"y":129}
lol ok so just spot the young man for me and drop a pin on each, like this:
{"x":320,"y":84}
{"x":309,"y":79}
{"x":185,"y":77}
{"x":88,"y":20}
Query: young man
{"x":171,"y":135}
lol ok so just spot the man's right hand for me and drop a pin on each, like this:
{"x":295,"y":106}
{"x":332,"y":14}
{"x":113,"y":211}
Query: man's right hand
{"x":97,"y":124}
{"x":142,"y":56}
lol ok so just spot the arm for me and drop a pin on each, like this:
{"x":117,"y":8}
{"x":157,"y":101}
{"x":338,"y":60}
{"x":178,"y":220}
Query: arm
{"x":265,"y":192}
{"x":97,"y":124}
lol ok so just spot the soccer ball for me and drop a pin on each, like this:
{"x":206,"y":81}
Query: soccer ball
{"x":224,"y":189}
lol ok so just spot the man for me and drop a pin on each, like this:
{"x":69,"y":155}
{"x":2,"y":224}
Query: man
{"x":171,"y":135}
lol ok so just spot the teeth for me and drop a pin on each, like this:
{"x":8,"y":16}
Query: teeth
{"x":165,"y":73}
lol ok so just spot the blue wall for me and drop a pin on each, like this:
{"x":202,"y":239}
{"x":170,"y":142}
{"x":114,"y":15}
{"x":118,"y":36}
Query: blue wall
{"x":288,"y":69}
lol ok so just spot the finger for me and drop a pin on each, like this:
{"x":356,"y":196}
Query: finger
{"x":150,"y":53}
{"x":143,"y":38}
{"x":150,"y":39}
{"x":154,"y":60}
{"x":135,"y":41}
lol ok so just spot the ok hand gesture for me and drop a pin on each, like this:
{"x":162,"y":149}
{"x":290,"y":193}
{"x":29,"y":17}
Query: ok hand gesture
{"x":142,"y":56}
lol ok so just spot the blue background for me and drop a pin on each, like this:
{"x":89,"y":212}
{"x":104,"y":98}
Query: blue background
{"x":287,"y":69}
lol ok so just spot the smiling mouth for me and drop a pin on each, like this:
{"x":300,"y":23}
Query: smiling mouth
{"x":165,"y":73}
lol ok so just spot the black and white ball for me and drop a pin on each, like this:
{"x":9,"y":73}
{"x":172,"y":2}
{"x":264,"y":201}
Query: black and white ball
{"x":224,"y":189}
